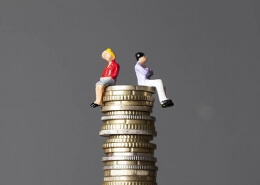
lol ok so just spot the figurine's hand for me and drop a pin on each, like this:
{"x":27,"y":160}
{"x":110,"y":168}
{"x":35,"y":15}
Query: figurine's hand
{"x":149,"y":73}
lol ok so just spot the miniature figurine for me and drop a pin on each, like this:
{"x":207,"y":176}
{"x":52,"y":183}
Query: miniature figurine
{"x":108,"y":76}
{"x":144,"y":74}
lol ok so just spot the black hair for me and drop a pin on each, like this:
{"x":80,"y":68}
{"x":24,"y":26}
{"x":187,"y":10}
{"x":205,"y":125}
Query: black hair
{"x":139,"y":55}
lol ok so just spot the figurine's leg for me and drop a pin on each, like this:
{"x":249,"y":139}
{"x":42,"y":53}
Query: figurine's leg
{"x":165,"y":102}
{"x":159,"y":87}
{"x":99,"y":94}
{"x":100,"y":87}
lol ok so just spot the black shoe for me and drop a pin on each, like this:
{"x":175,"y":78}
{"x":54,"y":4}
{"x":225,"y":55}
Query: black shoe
{"x":167,"y":103}
{"x":94,"y":105}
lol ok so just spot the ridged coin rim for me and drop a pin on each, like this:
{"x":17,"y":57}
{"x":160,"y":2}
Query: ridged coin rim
{"x":130,"y":87}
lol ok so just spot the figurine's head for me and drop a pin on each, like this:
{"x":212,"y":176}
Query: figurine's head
{"x":108,"y":55}
{"x":140,"y":56}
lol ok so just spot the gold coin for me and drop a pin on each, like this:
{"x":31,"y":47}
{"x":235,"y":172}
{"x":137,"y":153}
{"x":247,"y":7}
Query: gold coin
{"x":127,"y":178}
{"x":128,"y":126}
{"x":130,"y":167}
{"x":126,"y":113}
{"x":117,"y":93}
{"x":129,"y":145}
{"x":127,"y":117}
{"x":109,"y":173}
{"x":123,"y":107}
{"x":142,"y":163}
{"x":121,"y":149}
{"x":130,"y":137}
{"x":129,"y":183}
{"x":129,"y":158}
{"x":126,"y":93}
{"x":129,"y":103}
{"x":127,"y":131}
{"x":127,"y":98}
{"x":127,"y":140}
{"x":130,"y":87}
{"x":127,"y":154}
{"x":127,"y":121}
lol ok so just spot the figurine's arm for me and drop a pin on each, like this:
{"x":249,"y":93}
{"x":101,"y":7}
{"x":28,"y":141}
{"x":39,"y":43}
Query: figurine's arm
{"x":115,"y":71}
{"x":149,"y":74}
{"x":144,"y":71}
{"x":141,"y":69}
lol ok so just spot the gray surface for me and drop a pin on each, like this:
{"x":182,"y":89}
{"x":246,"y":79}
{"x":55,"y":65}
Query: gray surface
{"x":206,"y":52}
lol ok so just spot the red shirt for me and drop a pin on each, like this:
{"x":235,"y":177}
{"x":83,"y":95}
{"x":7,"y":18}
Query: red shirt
{"x":111,"y":70}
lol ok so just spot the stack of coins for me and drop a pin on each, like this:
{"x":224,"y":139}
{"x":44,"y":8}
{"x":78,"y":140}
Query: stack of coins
{"x":130,"y":129}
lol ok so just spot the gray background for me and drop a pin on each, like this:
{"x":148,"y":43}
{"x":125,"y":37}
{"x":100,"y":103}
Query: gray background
{"x":206,"y":52}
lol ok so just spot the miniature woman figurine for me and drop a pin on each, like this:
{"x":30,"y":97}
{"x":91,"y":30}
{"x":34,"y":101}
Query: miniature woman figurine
{"x":144,"y":74}
{"x":108,"y":76}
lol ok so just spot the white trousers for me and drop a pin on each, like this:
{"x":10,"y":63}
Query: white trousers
{"x":158,"y":84}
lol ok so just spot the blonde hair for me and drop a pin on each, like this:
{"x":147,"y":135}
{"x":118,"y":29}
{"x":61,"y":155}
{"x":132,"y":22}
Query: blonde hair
{"x":111,"y":52}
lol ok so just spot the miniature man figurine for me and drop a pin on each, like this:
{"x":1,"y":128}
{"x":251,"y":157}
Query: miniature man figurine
{"x":108,"y":76}
{"x":144,"y":74}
